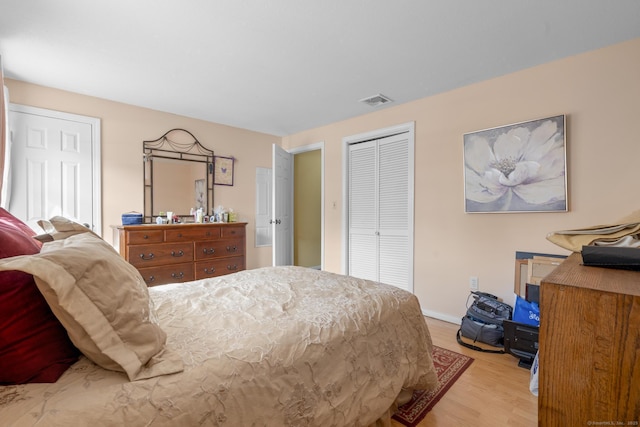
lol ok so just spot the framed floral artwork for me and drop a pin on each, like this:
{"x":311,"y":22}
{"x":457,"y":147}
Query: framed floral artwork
{"x":223,"y":170}
{"x":517,"y":168}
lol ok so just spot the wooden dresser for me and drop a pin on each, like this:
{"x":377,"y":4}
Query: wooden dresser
{"x":589,"y":353}
{"x":182,"y":252}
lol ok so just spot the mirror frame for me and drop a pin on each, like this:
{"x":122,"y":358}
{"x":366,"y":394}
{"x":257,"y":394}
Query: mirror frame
{"x":167,"y":148}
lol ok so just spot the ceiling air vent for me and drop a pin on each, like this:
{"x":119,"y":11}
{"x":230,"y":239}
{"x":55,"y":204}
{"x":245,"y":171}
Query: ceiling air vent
{"x":375,"y":100}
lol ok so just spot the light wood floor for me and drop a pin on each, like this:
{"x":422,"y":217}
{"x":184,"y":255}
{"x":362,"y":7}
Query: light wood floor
{"x":493,"y":391}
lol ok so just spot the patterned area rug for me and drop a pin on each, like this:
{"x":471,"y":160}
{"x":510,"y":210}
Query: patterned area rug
{"x":449,"y":366}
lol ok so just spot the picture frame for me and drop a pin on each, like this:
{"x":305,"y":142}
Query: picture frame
{"x":223,"y":170}
{"x":531,"y":267}
{"x":521,"y":167}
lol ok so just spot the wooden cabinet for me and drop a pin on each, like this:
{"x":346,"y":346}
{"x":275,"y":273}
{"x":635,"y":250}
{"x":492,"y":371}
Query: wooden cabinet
{"x":589,"y":346}
{"x":182,"y":252}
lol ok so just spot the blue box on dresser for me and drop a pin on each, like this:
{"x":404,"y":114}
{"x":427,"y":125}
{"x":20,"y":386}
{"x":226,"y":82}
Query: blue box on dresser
{"x":131,"y":218}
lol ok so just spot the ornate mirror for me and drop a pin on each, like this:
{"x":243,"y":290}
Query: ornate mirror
{"x":178,"y":175}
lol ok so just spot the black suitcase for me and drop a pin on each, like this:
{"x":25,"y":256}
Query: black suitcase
{"x":521,"y":341}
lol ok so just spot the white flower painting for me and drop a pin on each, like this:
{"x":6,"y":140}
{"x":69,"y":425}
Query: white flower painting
{"x":517,"y":168}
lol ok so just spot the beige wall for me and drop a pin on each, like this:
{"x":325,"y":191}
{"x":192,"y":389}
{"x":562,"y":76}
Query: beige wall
{"x":600,"y":94}
{"x":124,"y":127}
{"x":598,"y":91}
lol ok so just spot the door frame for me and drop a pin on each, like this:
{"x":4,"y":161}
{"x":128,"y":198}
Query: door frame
{"x":408,"y":127}
{"x":96,"y":178}
{"x":292,"y":152}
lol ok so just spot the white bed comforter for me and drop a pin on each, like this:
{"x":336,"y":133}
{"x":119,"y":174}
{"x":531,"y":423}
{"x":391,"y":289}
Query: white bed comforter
{"x":277,"y":346}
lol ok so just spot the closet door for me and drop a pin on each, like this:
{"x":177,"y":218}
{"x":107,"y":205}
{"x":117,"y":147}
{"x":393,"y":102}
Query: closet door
{"x":380,"y":182}
{"x":363,"y":210}
{"x":395,"y":254}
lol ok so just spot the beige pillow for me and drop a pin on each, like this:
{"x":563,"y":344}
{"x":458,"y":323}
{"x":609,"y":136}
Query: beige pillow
{"x":59,"y":228}
{"x":103,"y":303}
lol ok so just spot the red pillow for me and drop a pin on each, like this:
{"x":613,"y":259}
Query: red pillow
{"x":34,"y":346}
{"x":7,"y":218}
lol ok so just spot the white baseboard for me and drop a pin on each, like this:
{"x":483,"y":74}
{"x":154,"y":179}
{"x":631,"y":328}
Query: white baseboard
{"x":442,"y":316}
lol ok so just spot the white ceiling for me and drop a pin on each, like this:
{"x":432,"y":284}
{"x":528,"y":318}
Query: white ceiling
{"x":283,"y":66}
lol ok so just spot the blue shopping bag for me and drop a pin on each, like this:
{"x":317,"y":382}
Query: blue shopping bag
{"x":526,"y":312}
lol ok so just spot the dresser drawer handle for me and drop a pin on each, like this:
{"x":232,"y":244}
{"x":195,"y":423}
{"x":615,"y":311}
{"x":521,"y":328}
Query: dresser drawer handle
{"x":179,"y":234}
{"x":232,"y":267}
{"x":233,"y":248}
{"x":151,"y":279}
{"x":177,"y":254}
{"x":210,"y":271}
{"x":208,"y":233}
{"x":209,"y":251}
{"x":177,"y":275}
{"x":232,"y":232}
{"x":145,"y":237}
{"x":146,"y":257}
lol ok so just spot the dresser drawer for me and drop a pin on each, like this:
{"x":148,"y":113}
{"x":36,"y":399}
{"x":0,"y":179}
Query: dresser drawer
{"x":192,"y":233}
{"x":143,"y":237}
{"x":219,"y":248}
{"x":160,"y":254}
{"x":232,"y":231}
{"x":219,"y":267}
{"x":167,"y":274}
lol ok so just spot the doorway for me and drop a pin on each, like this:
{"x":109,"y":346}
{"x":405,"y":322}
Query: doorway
{"x":299,"y":233}
{"x":307,"y":208}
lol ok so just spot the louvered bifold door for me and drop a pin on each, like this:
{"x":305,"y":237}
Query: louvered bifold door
{"x":381,"y":210}
{"x":394,"y":251}
{"x":363,"y":211}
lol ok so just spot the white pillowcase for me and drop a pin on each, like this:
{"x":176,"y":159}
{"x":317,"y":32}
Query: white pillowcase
{"x":103,"y":303}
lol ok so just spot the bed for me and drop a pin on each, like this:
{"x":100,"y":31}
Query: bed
{"x":274,"y":346}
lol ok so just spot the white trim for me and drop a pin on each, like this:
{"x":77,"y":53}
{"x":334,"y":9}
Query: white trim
{"x":94,"y":122}
{"x":304,"y":149}
{"x":441,"y":316}
{"x":378,"y":134}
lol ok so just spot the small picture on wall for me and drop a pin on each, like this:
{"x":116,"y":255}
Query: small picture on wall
{"x":223,"y":174}
{"x":516,"y":168}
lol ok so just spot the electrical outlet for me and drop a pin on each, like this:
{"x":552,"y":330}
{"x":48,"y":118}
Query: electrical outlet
{"x":473,"y":283}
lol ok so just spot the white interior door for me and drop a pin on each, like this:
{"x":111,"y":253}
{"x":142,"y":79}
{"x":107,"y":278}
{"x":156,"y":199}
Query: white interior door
{"x":264,"y":206}
{"x":282,"y":207}
{"x":55,"y":166}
